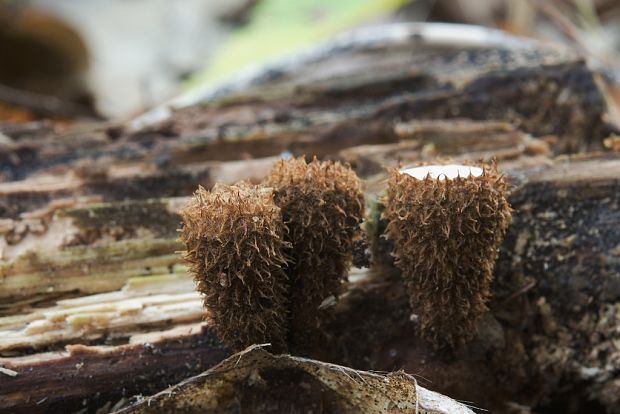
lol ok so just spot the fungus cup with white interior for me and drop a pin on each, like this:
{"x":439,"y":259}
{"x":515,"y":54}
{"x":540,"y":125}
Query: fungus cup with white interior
{"x":446,"y":223}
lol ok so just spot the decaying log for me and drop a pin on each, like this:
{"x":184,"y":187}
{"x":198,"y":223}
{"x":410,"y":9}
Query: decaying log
{"x":140,"y":225}
{"x":531,"y":326}
{"x":323,"y":105}
{"x":122,"y":181}
{"x":105,"y":268}
{"x":96,"y":305}
{"x":144,"y":303}
{"x":457,"y":140}
{"x":88,"y":377}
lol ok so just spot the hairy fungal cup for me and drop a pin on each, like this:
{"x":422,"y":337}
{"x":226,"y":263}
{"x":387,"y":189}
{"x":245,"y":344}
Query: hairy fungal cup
{"x":322,"y":206}
{"x":446,"y":223}
{"x":236,"y":252}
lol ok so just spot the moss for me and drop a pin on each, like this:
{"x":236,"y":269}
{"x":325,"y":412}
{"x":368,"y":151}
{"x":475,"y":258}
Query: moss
{"x":322,"y":206}
{"x":446,"y":233}
{"x":236,"y":253}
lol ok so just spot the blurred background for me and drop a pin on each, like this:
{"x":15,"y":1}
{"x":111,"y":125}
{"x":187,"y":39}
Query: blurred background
{"x":114,"y":59}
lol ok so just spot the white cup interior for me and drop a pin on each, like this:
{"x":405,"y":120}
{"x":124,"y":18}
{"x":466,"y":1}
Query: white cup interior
{"x":443,"y":172}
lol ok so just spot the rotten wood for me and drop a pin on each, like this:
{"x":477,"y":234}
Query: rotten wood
{"x":325,"y":105}
{"x":121,"y":181}
{"x":80,"y":227}
{"x":144,"y":303}
{"x":531,"y":326}
{"x":90,"y":211}
{"x":94,"y":376}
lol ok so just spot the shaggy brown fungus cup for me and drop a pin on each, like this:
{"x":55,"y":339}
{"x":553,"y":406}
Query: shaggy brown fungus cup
{"x":446,"y":222}
{"x":322,"y":206}
{"x":235,"y":250}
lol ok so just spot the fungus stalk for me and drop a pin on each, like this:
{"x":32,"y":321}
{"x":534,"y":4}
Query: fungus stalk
{"x":235,"y":250}
{"x":446,"y":222}
{"x":322,"y":207}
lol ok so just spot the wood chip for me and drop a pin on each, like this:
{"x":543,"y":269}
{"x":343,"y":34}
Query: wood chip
{"x":8,"y":372}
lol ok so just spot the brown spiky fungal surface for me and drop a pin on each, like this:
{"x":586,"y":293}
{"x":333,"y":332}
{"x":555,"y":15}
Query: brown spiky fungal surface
{"x":446,"y":223}
{"x":235,"y":250}
{"x":322,"y":206}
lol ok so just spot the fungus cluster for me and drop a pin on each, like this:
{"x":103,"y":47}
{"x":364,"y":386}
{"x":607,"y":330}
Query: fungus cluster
{"x":446,"y":223}
{"x":266,"y":257}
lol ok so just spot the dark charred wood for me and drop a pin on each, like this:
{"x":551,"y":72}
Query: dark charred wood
{"x":91,"y":376}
